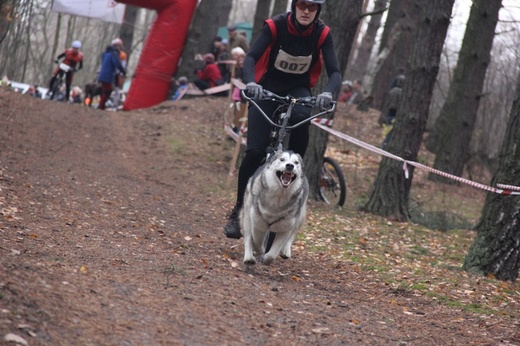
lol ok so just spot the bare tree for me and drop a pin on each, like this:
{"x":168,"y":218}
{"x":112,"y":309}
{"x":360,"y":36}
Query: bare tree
{"x":6,"y":11}
{"x":206,"y":20}
{"x":451,"y":135}
{"x":390,"y":194}
{"x":279,"y":6}
{"x":358,"y":67}
{"x":495,"y":249}
{"x":261,"y":14}
{"x":394,"y":51}
{"x":126,"y":32}
{"x":343,"y":18}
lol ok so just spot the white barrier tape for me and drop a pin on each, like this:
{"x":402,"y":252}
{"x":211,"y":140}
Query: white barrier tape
{"x":324,"y":121}
{"x":503,"y":189}
{"x":509,"y":187}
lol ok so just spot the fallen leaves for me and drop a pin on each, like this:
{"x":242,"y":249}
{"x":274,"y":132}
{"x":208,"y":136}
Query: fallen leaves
{"x":410,"y":258}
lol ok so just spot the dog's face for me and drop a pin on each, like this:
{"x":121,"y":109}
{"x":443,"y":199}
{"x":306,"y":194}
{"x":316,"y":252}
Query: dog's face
{"x":287,"y":167}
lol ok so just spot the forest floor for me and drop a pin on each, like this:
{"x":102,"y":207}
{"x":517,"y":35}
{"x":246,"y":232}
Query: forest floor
{"x":111,"y":233}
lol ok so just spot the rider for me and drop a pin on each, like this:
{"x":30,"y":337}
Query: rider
{"x":297,"y":39}
{"x":72,"y":57}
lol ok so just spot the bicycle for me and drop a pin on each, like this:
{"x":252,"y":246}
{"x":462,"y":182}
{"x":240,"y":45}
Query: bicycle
{"x":331,"y":179}
{"x":60,"y":80}
{"x":332,"y":184}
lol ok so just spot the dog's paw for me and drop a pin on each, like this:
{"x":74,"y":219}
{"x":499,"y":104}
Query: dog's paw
{"x":267,"y":260}
{"x":249,"y":261}
{"x":285,"y":254}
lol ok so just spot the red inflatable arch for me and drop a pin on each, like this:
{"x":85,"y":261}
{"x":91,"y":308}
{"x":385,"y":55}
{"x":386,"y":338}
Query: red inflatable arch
{"x":162,"y":51}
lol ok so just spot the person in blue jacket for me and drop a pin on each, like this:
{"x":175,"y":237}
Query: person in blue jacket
{"x":110,"y":65}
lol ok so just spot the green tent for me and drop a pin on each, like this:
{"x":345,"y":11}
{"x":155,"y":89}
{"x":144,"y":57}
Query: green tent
{"x":241,"y":27}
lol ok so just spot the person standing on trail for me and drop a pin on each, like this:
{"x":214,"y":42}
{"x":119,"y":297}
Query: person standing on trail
{"x":298,"y":37}
{"x":110,"y":65}
{"x":120,"y":77}
{"x":72,"y":57}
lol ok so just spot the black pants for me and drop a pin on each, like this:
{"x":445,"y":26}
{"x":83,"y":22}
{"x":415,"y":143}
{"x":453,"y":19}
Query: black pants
{"x":258,"y":137}
{"x":68,"y":82}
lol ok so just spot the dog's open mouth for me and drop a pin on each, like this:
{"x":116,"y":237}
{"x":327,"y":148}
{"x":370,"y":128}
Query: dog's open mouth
{"x":286,"y":178}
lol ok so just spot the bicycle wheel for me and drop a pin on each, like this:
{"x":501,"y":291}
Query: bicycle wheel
{"x":55,"y":87}
{"x":333,"y":189}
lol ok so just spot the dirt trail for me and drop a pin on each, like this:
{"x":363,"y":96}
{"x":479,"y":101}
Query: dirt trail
{"x":111,"y":234}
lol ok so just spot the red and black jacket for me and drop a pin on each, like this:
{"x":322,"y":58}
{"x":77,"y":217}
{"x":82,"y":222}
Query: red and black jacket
{"x":279,"y":34}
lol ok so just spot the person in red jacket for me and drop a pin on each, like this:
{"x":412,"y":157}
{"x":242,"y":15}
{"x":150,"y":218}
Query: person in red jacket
{"x":72,"y":57}
{"x":209,"y":76}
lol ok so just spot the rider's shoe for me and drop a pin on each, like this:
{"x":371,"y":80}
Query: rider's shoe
{"x":232,"y":228}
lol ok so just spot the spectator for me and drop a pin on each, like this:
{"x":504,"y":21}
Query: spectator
{"x":215,"y":46}
{"x":76,"y":95}
{"x":110,"y":64}
{"x":209,"y":76}
{"x":120,"y":78}
{"x":182,"y":85}
{"x":5,"y":82}
{"x":399,"y":75}
{"x":33,"y":91}
{"x":392,"y":105}
{"x":223,"y":55}
{"x":357,"y":93}
{"x":239,"y":106}
{"x":238,"y":55}
{"x":72,"y":57}
{"x":236,"y":40}
{"x":346,"y":91}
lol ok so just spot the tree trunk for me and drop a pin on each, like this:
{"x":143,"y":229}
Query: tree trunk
{"x":56,"y":40}
{"x":206,"y":20}
{"x":451,"y":135}
{"x":280,"y":6}
{"x":496,"y":249}
{"x":343,"y":18}
{"x":395,"y":49}
{"x":391,"y":191}
{"x":261,"y":14}
{"x":6,"y":11}
{"x":28,"y":39}
{"x":126,"y":33}
{"x":358,"y":68}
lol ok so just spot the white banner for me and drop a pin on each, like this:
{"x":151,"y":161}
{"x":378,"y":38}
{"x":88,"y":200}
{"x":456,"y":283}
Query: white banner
{"x":107,"y":10}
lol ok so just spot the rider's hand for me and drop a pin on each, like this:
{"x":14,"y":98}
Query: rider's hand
{"x":56,"y":61}
{"x":324,"y":100}
{"x":254,"y":90}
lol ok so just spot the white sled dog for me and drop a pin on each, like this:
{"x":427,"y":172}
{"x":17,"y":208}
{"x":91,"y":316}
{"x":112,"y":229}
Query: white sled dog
{"x":275,"y":200}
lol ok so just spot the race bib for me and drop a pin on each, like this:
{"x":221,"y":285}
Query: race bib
{"x":292,"y":64}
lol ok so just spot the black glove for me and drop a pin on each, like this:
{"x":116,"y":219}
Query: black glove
{"x":56,"y":61}
{"x":324,"y":100}
{"x":254,"y":90}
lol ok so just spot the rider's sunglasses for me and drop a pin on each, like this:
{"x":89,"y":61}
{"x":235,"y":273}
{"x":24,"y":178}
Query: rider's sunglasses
{"x":302,"y":5}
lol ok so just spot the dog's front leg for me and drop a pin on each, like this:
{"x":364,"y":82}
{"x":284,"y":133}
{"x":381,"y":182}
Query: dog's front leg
{"x":279,"y":241}
{"x":286,"y":249}
{"x":249,"y":258}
